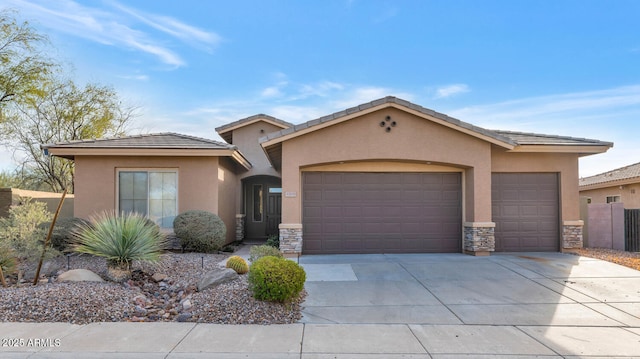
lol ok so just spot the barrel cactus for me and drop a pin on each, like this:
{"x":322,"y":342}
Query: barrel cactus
{"x":238,"y":264}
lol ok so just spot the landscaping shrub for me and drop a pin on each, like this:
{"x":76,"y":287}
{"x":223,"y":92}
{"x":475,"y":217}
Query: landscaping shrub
{"x":22,"y":235}
{"x":121,"y":240}
{"x":238,"y":264}
{"x":264,"y":250}
{"x":200,"y":231}
{"x":273,"y":241}
{"x":276,"y":279}
{"x":62,"y":237}
{"x":7,"y":259}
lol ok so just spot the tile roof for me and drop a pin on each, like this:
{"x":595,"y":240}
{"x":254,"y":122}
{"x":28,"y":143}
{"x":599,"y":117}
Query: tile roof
{"x":510,"y":137}
{"x":618,"y":174}
{"x":166,"y":140}
{"x":524,"y":138}
{"x":251,"y":119}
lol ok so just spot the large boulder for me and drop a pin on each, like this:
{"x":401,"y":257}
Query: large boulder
{"x":79,"y":275}
{"x":215,"y":278}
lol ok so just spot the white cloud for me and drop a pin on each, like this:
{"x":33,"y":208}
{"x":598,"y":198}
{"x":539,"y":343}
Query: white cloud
{"x":451,"y":90}
{"x":125,"y":27}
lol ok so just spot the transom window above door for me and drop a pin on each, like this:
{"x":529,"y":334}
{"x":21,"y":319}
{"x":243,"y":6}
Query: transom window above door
{"x":152,"y":193}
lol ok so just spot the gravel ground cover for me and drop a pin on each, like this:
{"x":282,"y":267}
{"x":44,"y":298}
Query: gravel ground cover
{"x":143,"y":298}
{"x":627,"y":259}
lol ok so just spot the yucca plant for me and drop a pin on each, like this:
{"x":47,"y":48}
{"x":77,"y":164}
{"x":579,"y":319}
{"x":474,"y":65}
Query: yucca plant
{"x":121,"y":239}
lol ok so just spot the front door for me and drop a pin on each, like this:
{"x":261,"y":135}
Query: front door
{"x":263,"y":203}
{"x":274,"y":210}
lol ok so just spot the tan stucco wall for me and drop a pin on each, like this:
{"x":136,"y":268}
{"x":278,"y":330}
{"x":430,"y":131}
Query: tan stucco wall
{"x":95,"y":181}
{"x":11,"y":196}
{"x":228,"y":188}
{"x":566,"y":164}
{"x":414,"y":141}
{"x":629,"y":194}
{"x":246,"y":139}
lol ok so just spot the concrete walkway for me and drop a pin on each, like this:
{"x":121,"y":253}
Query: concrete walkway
{"x":395,"y":306}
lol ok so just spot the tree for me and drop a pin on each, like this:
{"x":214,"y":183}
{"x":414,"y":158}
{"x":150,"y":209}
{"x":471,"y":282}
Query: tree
{"x":22,"y":68}
{"x":60,"y":112}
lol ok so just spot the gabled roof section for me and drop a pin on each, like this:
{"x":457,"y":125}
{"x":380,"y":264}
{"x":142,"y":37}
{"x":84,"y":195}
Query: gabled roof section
{"x":225,"y":131}
{"x":619,"y":176}
{"x":155,"y":144}
{"x":389,"y":101}
{"x":510,"y":141}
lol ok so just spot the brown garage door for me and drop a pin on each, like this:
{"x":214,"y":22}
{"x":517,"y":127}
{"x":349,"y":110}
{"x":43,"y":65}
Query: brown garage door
{"x":525,"y":209}
{"x":355,"y":212}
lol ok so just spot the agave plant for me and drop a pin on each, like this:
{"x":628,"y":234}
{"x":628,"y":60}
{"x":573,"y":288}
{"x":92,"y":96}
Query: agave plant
{"x":121,"y":240}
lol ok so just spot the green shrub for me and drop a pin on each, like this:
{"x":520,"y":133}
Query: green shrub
{"x":238,"y":264}
{"x":22,"y":233}
{"x":200,"y":231}
{"x":257,"y":252}
{"x":273,"y":241}
{"x":7,"y":259}
{"x":121,"y":240}
{"x":62,"y":237}
{"x":276,"y":279}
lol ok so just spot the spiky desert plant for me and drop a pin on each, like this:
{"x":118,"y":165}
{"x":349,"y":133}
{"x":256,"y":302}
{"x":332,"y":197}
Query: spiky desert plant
{"x":238,"y":264}
{"x":120,"y":239}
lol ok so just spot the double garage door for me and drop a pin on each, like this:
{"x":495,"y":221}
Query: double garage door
{"x":356,"y":212}
{"x":364,"y":212}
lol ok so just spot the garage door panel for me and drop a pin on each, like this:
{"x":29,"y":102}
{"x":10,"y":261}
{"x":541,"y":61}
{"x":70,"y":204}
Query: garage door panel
{"x":398,"y":212}
{"x":526,"y":211}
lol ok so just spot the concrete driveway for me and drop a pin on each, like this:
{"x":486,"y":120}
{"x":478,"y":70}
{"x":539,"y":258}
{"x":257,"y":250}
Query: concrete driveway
{"x":539,"y":304}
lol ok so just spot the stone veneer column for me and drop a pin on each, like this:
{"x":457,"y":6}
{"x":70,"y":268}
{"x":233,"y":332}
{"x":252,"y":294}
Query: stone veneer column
{"x":479,"y":238}
{"x":240,"y":219}
{"x":572,"y":234}
{"x":291,"y":239}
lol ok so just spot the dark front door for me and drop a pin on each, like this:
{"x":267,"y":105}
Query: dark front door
{"x":263,"y":203}
{"x":274,"y":210}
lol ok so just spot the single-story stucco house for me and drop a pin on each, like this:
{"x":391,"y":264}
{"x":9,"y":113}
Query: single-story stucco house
{"x":618,"y":185}
{"x":388,"y":176}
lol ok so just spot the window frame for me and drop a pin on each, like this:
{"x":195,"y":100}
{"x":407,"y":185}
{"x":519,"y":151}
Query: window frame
{"x":148,"y":171}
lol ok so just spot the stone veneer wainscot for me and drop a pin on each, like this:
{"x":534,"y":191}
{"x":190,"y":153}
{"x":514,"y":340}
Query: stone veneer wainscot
{"x":479,"y":238}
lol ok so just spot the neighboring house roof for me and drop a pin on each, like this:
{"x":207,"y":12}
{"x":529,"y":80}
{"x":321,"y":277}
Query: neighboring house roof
{"x":226,"y":131}
{"x":616,"y":177}
{"x":511,"y":141}
{"x":154,"y":144}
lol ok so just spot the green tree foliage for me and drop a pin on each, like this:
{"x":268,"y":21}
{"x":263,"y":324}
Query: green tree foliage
{"x":22,"y":67}
{"x":62,"y":112}
{"x":38,"y":106}
{"x":22,"y":232}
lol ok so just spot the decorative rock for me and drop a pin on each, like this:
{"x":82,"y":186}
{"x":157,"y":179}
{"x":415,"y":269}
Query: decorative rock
{"x":79,"y":275}
{"x":140,"y":299}
{"x":159,"y":277}
{"x":48,"y":269}
{"x":214,"y":278}
{"x":140,"y":311}
{"x":183,"y":317}
{"x":186,"y":305}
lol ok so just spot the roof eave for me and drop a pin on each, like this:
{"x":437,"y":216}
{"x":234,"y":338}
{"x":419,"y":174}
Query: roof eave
{"x":581,"y":149}
{"x":612,"y":183}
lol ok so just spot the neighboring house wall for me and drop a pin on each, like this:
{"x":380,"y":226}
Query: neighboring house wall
{"x":11,"y":196}
{"x":629,"y":194}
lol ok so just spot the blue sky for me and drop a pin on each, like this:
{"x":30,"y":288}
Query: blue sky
{"x":546,"y":66}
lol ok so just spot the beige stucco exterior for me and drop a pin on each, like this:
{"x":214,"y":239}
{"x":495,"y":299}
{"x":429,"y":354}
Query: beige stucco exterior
{"x":386,"y":135}
{"x":414,"y":144}
{"x":204,"y":183}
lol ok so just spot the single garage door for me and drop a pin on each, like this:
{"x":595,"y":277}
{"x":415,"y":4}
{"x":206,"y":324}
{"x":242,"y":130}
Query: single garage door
{"x":356,"y":212}
{"x":525,"y":208}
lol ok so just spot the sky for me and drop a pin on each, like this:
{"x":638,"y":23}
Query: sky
{"x":553,"y":67}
